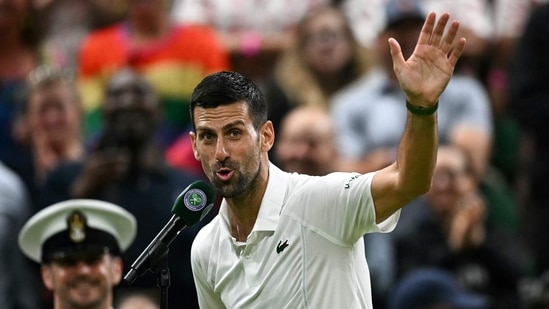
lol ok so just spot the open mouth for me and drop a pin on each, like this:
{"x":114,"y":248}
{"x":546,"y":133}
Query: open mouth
{"x":224,"y":174}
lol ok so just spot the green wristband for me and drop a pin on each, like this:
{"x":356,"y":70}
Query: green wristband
{"x":421,"y":111}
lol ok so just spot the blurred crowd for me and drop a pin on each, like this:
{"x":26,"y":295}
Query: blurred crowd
{"x":94,"y":101}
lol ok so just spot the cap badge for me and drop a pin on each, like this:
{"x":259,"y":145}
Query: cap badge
{"x":77,"y":223}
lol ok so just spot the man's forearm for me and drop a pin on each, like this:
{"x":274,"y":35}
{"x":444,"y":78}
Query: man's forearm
{"x":416,"y":156}
{"x":411,"y":175}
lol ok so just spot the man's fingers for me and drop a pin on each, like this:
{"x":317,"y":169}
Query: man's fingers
{"x":427,"y":29}
{"x":454,"y":55}
{"x":396,"y":53}
{"x":448,"y":41}
{"x":439,"y":29}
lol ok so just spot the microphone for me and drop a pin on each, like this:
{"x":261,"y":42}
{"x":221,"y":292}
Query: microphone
{"x":191,"y":206}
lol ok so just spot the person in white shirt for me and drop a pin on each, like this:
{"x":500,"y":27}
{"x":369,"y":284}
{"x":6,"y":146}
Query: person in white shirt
{"x":285,"y":240}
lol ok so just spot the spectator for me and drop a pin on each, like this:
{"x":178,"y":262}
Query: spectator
{"x":78,"y":244}
{"x":325,"y":58}
{"x":52,"y":122}
{"x":452,"y":234}
{"x":126,"y":168}
{"x":257,"y":33}
{"x":174,"y":58}
{"x":18,"y":287}
{"x":306,"y":141}
{"x":19,"y":40}
{"x":432,"y":288}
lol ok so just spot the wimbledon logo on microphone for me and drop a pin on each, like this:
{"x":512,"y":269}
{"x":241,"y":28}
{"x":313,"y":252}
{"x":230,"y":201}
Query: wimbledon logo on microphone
{"x":195,"y":199}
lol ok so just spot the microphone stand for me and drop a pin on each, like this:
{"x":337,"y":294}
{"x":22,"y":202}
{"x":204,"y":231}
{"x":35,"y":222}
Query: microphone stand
{"x":157,"y":257}
{"x":163,"y":281}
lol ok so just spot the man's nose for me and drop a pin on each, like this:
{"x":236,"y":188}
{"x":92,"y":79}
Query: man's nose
{"x":221,"y":152}
{"x":82,"y":267}
{"x":300,"y":150}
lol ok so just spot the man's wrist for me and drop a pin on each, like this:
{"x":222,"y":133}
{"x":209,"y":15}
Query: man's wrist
{"x":421,"y":111}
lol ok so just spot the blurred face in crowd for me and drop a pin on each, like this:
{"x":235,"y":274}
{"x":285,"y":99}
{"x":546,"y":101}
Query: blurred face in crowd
{"x":452,"y":180}
{"x":326,"y":42}
{"x":83,"y":283}
{"x":54,"y":113}
{"x":131,"y":109}
{"x":305,"y":144}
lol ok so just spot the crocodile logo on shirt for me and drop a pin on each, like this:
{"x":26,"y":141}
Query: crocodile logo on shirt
{"x":281,"y":246}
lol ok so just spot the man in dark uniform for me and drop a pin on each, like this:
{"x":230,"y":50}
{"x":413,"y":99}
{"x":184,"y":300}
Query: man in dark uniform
{"x":78,"y":244}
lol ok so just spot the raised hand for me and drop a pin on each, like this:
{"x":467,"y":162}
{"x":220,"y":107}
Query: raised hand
{"x":426,"y":73}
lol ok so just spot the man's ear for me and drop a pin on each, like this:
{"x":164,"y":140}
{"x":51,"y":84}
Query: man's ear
{"x":46,"y":277}
{"x":116,"y":269}
{"x":267,"y":136}
{"x":192,"y":135}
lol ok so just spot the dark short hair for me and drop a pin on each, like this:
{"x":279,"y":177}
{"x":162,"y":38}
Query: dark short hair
{"x":227,"y":87}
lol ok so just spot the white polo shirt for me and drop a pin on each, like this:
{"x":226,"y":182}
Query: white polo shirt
{"x":305,"y":249}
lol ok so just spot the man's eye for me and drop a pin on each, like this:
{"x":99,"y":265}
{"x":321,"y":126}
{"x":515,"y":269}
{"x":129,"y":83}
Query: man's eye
{"x":207,"y":136}
{"x":234,"y":133}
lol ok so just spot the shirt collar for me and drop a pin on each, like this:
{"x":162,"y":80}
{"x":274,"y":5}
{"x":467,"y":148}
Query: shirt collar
{"x":271,"y":205}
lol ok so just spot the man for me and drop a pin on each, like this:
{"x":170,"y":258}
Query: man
{"x":451,"y":233}
{"x":78,"y":243}
{"x":306,"y":143}
{"x":127,"y":168}
{"x":295,"y":241}
{"x":49,"y":125}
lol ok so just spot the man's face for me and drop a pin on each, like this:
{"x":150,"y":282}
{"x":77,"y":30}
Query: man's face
{"x":131,"y":108}
{"x":229,"y":147}
{"x":54,"y":114}
{"x":83,"y":283}
{"x":451,"y":181}
{"x":327,"y":48}
{"x":306,"y":143}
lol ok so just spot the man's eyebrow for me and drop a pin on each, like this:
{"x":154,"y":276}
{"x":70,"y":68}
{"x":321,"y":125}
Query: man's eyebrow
{"x":224,"y":128}
{"x":233,"y":124}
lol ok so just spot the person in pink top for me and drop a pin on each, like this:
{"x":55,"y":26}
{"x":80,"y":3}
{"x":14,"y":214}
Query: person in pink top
{"x":173,"y":57}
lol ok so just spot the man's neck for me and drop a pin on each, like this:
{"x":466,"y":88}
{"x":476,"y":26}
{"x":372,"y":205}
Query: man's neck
{"x":244,"y":209}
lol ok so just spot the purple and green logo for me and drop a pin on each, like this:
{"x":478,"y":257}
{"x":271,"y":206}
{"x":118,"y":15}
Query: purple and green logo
{"x":195,"y":199}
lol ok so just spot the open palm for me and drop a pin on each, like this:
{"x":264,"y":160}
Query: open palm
{"x":425,"y":74}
